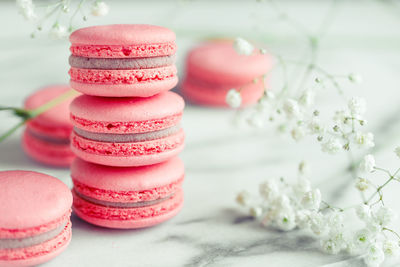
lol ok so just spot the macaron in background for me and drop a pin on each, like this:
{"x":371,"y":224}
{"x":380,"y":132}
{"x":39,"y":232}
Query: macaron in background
{"x":213,"y":68}
{"x":46,"y":137}
{"x":130,"y":197}
{"x":35,"y":224}
{"x":127,"y":131}
{"x":123,"y":60}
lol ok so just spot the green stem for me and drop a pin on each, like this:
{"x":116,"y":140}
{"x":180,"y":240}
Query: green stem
{"x":12,"y":130}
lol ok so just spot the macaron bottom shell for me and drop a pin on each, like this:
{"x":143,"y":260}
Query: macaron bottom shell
{"x":38,"y":254}
{"x":128,"y":218}
{"x":48,"y":153}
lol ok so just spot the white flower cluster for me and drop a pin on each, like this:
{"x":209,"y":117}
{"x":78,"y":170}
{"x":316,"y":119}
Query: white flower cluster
{"x":27,"y":9}
{"x":243,"y":47}
{"x":289,"y":206}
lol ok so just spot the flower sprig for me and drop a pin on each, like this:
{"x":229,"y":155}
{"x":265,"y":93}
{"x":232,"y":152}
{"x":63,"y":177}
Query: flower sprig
{"x":50,"y":15}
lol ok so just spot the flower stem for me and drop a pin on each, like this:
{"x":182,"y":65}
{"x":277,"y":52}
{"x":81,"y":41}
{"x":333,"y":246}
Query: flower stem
{"x":12,"y":130}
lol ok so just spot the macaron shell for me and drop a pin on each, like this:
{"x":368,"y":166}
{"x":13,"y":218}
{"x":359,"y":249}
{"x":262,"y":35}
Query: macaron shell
{"x":37,"y":254}
{"x":126,"y":90}
{"x":112,"y":154}
{"x":214,"y":96}
{"x":58,"y":155}
{"x":128,"y":218}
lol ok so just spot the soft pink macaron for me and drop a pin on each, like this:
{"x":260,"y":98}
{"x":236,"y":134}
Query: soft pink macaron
{"x":123,"y":60}
{"x":127,"y":131}
{"x":46,"y":137}
{"x":214,"y":68}
{"x":35,"y":221}
{"x":130,"y":197}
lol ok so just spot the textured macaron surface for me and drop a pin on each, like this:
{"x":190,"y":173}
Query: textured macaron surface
{"x":218,"y":62}
{"x":31,"y":203}
{"x":126,"y":115}
{"x":123,"y":41}
{"x":55,"y":121}
{"x":127,"y":184}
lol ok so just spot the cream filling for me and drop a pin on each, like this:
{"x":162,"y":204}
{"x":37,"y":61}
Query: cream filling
{"x":10,"y":243}
{"x":127,"y":138}
{"x":48,"y":139}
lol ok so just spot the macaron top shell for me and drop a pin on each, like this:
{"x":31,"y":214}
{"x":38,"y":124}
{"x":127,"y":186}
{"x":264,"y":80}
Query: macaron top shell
{"x":57,"y":116}
{"x":122,"y":34}
{"x":124,"y":110}
{"x":30,"y":199}
{"x":219,"y":62}
{"x":129,"y":178}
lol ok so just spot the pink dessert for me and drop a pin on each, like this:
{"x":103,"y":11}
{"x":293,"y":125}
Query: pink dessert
{"x":46,"y":137}
{"x":123,"y":60}
{"x":130,"y":197}
{"x":35,"y":224}
{"x":214,"y":68}
{"x":127,"y":131}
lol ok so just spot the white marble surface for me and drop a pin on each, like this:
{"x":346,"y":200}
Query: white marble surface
{"x":221,"y":159}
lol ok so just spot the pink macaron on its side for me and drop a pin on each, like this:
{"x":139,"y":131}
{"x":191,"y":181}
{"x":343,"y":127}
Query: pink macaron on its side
{"x":46,"y":137}
{"x":35,"y":224}
{"x":130,"y":197}
{"x":213,"y":68}
{"x":127,"y":131}
{"x":123,"y":60}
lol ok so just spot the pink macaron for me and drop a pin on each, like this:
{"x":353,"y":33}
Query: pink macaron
{"x":123,"y":60}
{"x":130,"y":197}
{"x":35,"y":221}
{"x":127,"y":131}
{"x":46,"y":137}
{"x":212,"y":69}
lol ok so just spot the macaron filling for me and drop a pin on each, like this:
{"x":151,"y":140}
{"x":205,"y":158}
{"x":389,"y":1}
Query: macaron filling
{"x":126,"y":138}
{"x":120,"y":63}
{"x":122,"y":204}
{"x":48,"y":139}
{"x":12,"y":243}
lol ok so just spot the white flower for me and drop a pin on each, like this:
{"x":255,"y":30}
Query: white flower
{"x":332,"y":146}
{"x":58,"y":31}
{"x":298,"y":133}
{"x":282,"y":202}
{"x":27,"y":9}
{"x":340,"y":117}
{"x":307,"y":98}
{"x":256,"y":211}
{"x":364,"y":139}
{"x":269,"y":190}
{"x":302,"y":186}
{"x":375,"y":255}
{"x":335,"y":221}
{"x":312,"y":199}
{"x":363,"y":212}
{"x":243,"y":47}
{"x":304,"y":168}
{"x":331,"y":246}
{"x":368,"y":163}
{"x":303,"y":219}
{"x":397,"y":151}
{"x":391,"y":248}
{"x":363,"y":238}
{"x":362,"y":184}
{"x":256,"y":120}
{"x":357,"y":106}
{"x":355,"y":78}
{"x":233,"y":98}
{"x":243,"y":198}
{"x":315,"y":127}
{"x":100,"y":9}
{"x":385,"y":216}
{"x":318,"y":223}
{"x":291,"y":109}
{"x":285,"y":220}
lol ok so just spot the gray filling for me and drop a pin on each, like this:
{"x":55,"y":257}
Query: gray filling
{"x":48,"y":139}
{"x":127,"y":138}
{"x":10,"y":243}
{"x":122,"y":204}
{"x":120,"y":63}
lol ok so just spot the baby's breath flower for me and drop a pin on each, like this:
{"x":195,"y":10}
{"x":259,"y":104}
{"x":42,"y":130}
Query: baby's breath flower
{"x":304,"y":168}
{"x":256,"y":211}
{"x":243,"y":198}
{"x":364,"y":139}
{"x":312,"y":199}
{"x":243,"y":47}
{"x":397,"y":151}
{"x":298,"y":133}
{"x":391,"y":248}
{"x":318,"y":223}
{"x":58,"y":31}
{"x":385,"y":216}
{"x":335,"y":222}
{"x":27,"y":9}
{"x":331,"y":246}
{"x":357,"y":105}
{"x":368,"y":163}
{"x":269,"y":190}
{"x":291,"y":109}
{"x":100,"y":9}
{"x":233,"y":98}
{"x":362,"y":184}
{"x":315,"y":127}
{"x":332,"y":146}
{"x":355,"y":78}
{"x":340,"y":117}
{"x":363,"y":212}
{"x":363,"y":238}
{"x":375,"y":255}
{"x":303,"y":219}
{"x":285,"y":220}
{"x":307,"y":98}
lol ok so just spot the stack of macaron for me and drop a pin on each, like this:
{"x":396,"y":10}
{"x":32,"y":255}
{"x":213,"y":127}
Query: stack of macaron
{"x":127,"y":132}
{"x":213,"y":68}
{"x":47,"y":136}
